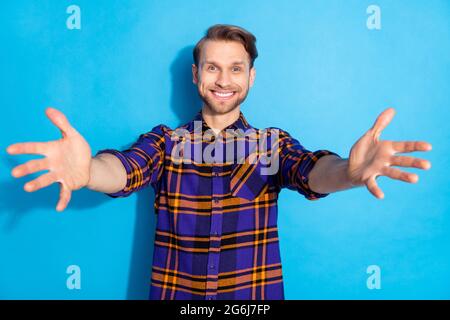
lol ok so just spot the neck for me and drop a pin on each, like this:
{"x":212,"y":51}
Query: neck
{"x":219,"y":121}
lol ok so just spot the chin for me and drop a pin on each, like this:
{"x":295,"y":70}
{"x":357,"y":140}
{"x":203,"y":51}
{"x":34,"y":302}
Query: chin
{"x":222,"y":109}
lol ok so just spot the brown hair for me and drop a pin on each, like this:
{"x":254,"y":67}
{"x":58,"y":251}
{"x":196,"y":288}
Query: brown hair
{"x":228,"y":33}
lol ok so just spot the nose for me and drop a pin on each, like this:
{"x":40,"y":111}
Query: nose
{"x":223,"y":79}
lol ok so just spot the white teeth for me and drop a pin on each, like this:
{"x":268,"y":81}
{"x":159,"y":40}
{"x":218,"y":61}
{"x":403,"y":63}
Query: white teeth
{"x":223,"y":94}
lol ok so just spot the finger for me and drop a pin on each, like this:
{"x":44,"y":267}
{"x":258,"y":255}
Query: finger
{"x":403,"y":161}
{"x":398,"y":174}
{"x":64,"y":197}
{"x":29,"y":167}
{"x":382,"y":121}
{"x":40,"y":182}
{"x":60,"y":120}
{"x":374,"y":189}
{"x":27,"y":148}
{"x":411,"y":146}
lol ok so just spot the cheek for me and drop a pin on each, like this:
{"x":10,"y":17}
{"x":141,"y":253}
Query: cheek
{"x":205,"y":82}
{"x":243,"y":83}
{"x":204,"y":87}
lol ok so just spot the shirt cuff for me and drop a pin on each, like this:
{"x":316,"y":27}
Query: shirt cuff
{"x":312,"y":195}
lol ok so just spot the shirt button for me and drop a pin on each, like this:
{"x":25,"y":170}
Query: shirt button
{"x":209,"y":298}
{"x":211,"y":266}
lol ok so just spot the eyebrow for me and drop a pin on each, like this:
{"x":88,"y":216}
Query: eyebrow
{"x":233,"y":63}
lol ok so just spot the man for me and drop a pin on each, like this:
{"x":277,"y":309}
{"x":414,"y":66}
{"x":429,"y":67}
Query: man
{"x":216,"y":235}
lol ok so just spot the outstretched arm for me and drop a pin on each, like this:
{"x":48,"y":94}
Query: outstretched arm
{"x":69,"y":162}
{"x":369,"y":158}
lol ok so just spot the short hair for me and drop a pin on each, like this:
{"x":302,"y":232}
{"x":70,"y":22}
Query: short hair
{"x":228,"y":32}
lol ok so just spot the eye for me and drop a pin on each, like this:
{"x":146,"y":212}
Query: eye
{"x":236,"y":69}
{"x":211,"y":68}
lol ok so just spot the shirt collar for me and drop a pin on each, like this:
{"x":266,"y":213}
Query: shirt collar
{"x":240,"y":123}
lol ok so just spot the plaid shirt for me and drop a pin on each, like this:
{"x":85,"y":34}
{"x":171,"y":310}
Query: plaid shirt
{"x":216,"y":234}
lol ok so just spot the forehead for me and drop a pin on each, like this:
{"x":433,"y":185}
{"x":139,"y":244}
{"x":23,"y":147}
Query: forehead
{"x":226,"y":52}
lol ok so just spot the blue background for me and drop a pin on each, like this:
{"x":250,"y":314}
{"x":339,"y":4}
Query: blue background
{"x":322,"y":75}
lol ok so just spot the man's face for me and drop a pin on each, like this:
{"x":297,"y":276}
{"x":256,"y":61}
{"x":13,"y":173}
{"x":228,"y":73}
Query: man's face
{"x":223,"y":76}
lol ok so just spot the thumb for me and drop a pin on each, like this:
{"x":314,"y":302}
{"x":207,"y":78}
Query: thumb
{"x":382,"y":121}
{"x":59,"y":120}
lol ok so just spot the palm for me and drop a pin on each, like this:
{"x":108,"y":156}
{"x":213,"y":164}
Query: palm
{"x":367,"y":154}
{"x":371,"y":157}
{"x":66,"y":159}
{"x":69,"y":157}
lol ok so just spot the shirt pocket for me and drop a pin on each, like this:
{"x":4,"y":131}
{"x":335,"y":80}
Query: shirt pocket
{"x":247,"y":182}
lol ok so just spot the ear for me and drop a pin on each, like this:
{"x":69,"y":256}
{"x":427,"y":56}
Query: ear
{"x":194,"y":74}
{"x":252,"y":76}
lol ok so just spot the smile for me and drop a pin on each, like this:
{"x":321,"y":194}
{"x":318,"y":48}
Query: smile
{"x":223,"y":95}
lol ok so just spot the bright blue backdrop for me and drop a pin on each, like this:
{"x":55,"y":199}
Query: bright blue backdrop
{"x":322,"y":75}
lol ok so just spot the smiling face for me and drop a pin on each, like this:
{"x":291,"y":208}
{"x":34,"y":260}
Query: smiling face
{"x":223,"y":76}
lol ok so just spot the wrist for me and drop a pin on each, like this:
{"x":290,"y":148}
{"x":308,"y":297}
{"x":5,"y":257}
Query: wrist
{"x":351,"y":179}
{"x":90,"y":181}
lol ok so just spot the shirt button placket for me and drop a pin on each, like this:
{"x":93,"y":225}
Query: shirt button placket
{"x":215,"y":232}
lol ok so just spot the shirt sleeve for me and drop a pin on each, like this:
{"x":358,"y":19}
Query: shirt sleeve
{"x":143,"y":161}
{"x":296,"y":162}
